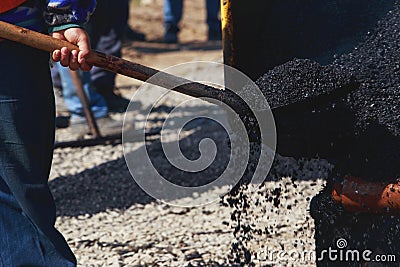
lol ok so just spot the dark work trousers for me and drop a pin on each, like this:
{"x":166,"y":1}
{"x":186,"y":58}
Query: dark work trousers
{"x":106,"y":29}
{"x":27,"y":209}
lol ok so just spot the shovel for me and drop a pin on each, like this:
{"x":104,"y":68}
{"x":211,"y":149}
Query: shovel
{"x":165,"y":80}
{"x":124,"y":67}
{"x":117,"y":65}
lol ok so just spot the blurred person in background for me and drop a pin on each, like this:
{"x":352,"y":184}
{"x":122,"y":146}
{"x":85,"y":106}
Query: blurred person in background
{"x":107,"y":29}
{"x":173,"y":14}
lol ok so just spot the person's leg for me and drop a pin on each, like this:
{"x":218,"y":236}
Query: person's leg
{"x":172,"y":16}
{"x":106,"y":36}
{"x":130,"y":33}
{"x":71,"y":99}
{"x":213,"y":22}
{"x":26,"y":149}
{"x":18,"y":241}
{"x":24,"y":244}
{"x":173,"y":10}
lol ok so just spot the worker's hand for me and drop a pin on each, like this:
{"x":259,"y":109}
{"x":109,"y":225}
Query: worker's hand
{"x":73,"y":59}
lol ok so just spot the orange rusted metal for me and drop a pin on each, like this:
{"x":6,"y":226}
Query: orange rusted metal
{"x":357,"y":195}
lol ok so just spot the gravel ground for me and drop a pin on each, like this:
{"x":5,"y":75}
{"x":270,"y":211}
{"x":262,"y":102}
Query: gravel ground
{"x":108,"y":220}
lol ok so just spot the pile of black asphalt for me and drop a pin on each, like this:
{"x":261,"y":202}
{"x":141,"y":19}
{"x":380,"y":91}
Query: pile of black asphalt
{"x":347,"y":111}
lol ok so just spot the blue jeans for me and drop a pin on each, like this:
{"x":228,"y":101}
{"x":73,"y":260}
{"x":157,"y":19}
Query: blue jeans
{"x":71,"y":99}
{"x":173,"y":14}
{"x":27,"y":209}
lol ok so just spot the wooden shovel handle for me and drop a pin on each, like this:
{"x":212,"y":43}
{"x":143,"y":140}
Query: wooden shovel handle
{"x":125,"y":67}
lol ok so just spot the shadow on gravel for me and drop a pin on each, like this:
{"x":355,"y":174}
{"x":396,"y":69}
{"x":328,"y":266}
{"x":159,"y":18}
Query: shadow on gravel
{"x":107,"y":186}
{"x":111,"y":186}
